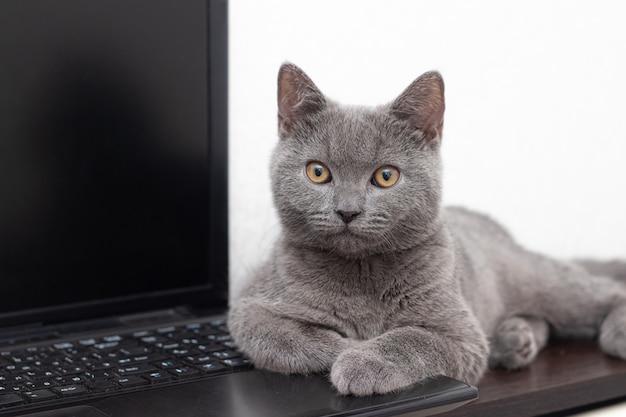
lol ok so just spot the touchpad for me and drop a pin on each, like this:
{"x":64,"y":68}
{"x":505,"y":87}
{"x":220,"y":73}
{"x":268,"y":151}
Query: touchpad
{"x":77,"y":411}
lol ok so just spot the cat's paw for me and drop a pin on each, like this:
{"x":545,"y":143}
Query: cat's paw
{"x":516,"y":342}
{"x":613,"y":333}
{"x":362,"y":372}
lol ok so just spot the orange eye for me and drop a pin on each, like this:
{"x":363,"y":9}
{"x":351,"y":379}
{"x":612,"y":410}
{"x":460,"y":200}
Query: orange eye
{"x":318,"y":172}
{"x":386,"y":176}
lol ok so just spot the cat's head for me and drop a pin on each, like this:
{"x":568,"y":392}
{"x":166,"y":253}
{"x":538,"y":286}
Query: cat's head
{"x":357,"y":181}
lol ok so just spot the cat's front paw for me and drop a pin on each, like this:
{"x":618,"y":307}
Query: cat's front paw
{"x":362,"y":372}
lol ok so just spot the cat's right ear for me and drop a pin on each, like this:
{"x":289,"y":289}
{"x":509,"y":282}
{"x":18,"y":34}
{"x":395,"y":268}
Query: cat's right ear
{"x":298,"y":96}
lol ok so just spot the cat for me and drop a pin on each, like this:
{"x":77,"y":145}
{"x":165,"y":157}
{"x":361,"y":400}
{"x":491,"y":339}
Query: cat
{"x":374,"y":282}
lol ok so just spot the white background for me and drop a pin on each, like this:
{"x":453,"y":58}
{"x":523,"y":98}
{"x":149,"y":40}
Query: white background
{"x":536,"y":106}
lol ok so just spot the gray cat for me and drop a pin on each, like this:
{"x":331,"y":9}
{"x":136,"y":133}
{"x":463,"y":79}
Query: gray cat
{"x":374,"y":281}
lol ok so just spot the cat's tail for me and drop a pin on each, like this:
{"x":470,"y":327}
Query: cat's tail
{"x":614,"y":268}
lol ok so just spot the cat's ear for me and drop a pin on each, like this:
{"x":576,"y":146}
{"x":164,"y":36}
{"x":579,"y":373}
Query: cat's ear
{"x":298,"y":96}
{"x":422,"y":105}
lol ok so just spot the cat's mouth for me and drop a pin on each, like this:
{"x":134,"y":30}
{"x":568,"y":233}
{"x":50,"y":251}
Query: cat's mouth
{"x":348,"y":227}
{"x":351,"y":242}
{"x":353,"y":231}
{"x":365,"y":228}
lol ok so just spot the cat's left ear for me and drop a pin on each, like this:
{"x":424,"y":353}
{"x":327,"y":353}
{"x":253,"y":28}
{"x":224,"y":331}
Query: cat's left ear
{"x":422,"y":105}
{"x":298,"y":97}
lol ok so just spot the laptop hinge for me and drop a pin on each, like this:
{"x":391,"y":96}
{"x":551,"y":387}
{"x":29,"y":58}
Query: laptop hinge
{"x":38,"y":332}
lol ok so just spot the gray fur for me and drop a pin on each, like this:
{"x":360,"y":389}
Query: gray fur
{"x":406,"y":289}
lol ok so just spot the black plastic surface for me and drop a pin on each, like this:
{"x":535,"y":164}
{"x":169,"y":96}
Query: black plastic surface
{"x":259,"y":394}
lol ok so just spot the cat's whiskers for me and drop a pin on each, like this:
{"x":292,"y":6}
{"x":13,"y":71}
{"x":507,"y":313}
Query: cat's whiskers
{"x":268,"y":242}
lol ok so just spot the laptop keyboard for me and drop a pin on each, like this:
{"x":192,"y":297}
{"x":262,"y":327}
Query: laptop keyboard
{"x":93,"y":367}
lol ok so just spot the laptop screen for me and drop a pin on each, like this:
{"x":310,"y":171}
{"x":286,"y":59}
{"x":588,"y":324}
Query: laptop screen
{"x":111,"y":113}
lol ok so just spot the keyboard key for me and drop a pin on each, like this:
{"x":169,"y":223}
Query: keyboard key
{"x":184,"y":371}
{"x":98,"y":366}
{"x":167,"y":364}
{"x":151,"y":357}
{"x":103,"y":385}
{"x":226,"y":354}
{"x":10,"y":369}
{"x":230,"y":345}
{"x":210,"y":347}
{"x":43,"y":383}
{"x":70,"y":379}
{"x":189,"y":341}
{"x":22,"y":360}
{"x":10,"y":399}
{"x":136,"y":369}
{"x":14,"y":387}
{"x":112,"y":338}
{"x":219,"y":337}
{"x":70,"y":390}
{"x":87,"y":342}
{"x":15,"y":378}
{"x":158,"y":376}
{"x":135,"y":350}
{"x":154,"y":339}
{"x":100,"y":374}
{"x":180,"y":352}
{"x":237,"y":362}
{"x":63,"y":345}
{"x":39,"y":395}
{"x":218,"y":323}
{"x":199,"y":359}
{"x":131,"y":381}
{"x":168,"y":345}
{"x":168,"y":329}
{"x":70,"y":370}
{"x":41,"y":374}
{"x":212,"y":367}
{"x":105,"y":346}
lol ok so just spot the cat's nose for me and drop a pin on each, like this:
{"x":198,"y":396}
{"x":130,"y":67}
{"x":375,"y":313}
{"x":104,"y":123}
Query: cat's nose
{"x":347,"y":216}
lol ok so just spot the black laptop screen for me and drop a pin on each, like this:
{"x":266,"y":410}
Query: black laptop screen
{"x":104,"y":150}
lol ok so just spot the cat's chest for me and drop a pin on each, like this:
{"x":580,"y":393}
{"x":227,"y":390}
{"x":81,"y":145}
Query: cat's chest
{"x":361,"y":299}
{"x":358,"y":316}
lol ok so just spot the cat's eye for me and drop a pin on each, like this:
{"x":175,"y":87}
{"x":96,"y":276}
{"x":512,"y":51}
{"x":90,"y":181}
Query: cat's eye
{"x":318,"y":172}
{"x":386,"y":176}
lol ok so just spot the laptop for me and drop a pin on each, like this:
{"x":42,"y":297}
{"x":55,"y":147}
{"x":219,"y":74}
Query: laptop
{"x":113,"y":223}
